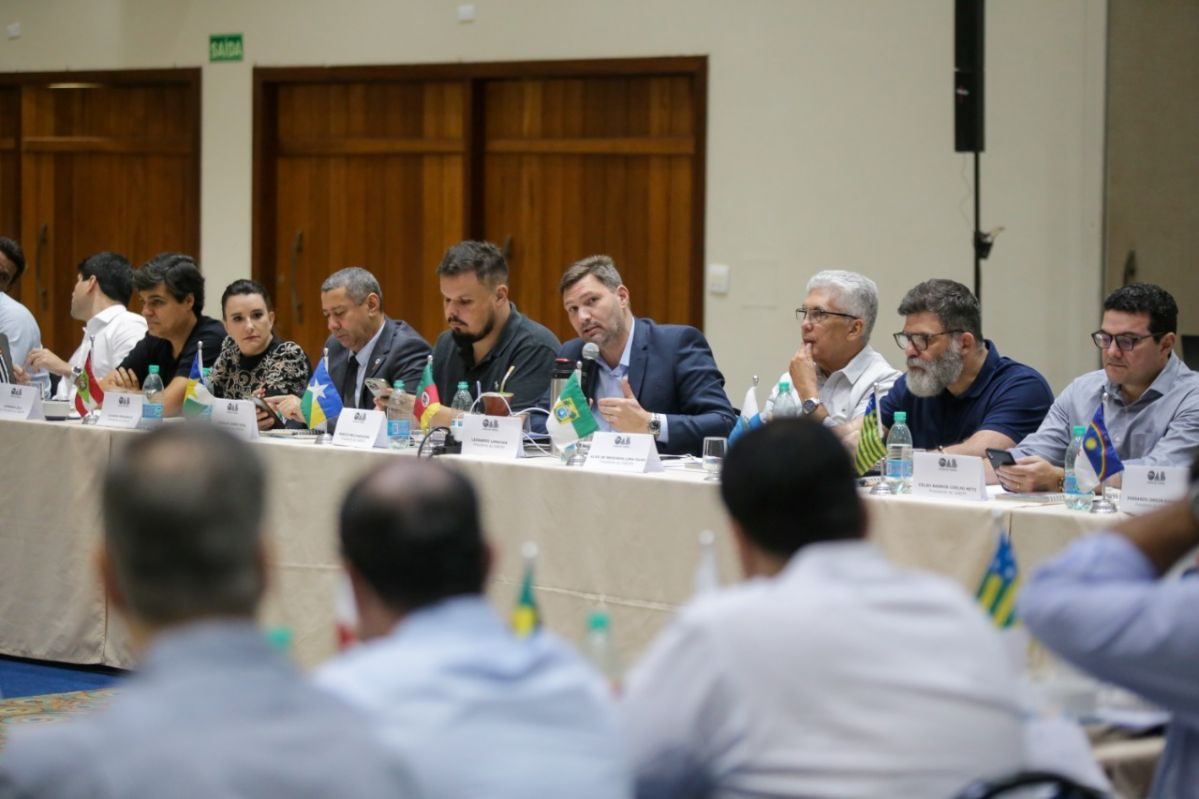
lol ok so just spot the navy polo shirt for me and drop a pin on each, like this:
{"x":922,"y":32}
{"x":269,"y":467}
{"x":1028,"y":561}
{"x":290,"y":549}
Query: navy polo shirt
{"x":1006,"y":396}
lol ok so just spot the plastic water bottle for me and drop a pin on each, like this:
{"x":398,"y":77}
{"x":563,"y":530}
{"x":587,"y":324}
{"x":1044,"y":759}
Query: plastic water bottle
{"x":899,"y":455}
{"x":784,"y":404}
{"x":153,"y":389}
{"x":462,"y":402}
{"x":1076,"y":498}
{"x":399,"y":417}
{"x":599,"y":648}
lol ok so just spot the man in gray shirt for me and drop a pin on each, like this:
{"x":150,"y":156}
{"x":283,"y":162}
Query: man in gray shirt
{"x":212,"y":711}
{"x":1150,"y":398}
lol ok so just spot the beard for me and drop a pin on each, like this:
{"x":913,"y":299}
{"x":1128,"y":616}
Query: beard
{"x":466,"y":338}
{"x":929,"y":380}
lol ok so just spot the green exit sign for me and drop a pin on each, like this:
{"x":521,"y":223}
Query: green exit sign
{"x":225,"y":47}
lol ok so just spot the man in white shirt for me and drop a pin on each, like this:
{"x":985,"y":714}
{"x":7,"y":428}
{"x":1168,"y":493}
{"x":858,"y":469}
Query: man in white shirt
{"x":16,"y":321}
{"x":100,"y":298}
{"x":831,"y":672}
{"x":835,"y":370}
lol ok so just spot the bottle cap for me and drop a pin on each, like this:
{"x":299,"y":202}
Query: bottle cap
{"x":598,"y":620}
{"x":153,"y":368}
{"x":784,"y":386}
{"x":398,"y":385}
{"x":279,"y":638}
{"x":462,"y":386}
{"x":1080,"y":430}
{"x":901,"y":417}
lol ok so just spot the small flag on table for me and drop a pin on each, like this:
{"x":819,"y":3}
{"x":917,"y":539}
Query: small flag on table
{"x":88,"y":394}
{"x":321,"y":401}
{"x":997,"y":589}
{"x":526,"y":618}
{"x":197,"y":398}
{"x":871,"y":448}
{"x":750,"y":416}
{"x":428,"y":401}
{"x":1101,"y":461}
{"x":570,"y":418}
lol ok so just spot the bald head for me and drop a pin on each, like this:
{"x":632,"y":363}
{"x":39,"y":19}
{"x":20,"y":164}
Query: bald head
{"x":411,"y":531}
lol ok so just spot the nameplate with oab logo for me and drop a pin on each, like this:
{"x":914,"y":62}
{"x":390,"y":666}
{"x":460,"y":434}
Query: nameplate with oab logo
{"x":623,"y":452}
{"x":237,"y":417}
{"x":492,"y":436}
{"x":361,"y":429}
{"x":121,"y":409}
{"x":20,"y":402}
{"x":1146,"y":488}
{"x":945,"y":476}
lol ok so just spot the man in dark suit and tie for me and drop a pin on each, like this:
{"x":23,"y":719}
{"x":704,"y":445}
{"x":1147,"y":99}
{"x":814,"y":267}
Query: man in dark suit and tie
{"x":363,"y":342}
{"x":650,"y":378}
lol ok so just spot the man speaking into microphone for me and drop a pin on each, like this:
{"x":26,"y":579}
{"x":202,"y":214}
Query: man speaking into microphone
{"x":648,"y":378}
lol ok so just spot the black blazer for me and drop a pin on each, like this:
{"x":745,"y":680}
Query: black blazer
{"x":399,"y":354}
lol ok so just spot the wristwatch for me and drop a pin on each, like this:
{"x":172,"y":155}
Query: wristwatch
{"x":655,"y":424}
{"x":810,"y":406}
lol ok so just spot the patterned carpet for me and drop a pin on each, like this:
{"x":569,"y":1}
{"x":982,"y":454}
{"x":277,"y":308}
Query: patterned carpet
{"x":49,"y":708}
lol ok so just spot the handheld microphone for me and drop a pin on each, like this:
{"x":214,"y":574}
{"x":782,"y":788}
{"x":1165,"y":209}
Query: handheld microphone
{"x":590,"y":353}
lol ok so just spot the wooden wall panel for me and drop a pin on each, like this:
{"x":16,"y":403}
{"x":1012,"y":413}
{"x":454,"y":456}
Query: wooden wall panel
{"x":10,"y":168}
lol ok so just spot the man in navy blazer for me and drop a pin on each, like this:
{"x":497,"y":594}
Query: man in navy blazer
{"x":363,"y":342}
{"x":650,"y":378}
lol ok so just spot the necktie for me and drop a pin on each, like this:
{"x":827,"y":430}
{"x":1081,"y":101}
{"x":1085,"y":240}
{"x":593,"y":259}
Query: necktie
{"x":349,"y":386}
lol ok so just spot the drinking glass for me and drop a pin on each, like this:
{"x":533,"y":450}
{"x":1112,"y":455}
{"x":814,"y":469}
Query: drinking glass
{"x":714,"y":447}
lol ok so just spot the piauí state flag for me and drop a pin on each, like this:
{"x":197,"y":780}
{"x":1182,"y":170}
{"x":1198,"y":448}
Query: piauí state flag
{"x":197,"y":398}
{"x":997,"y":589}
{"x":321,"y":401}
{"x":88,"y":394}
{"x":1101,"y":461}
{"x":871,"y":448}
{"x":428,"y":401}
{"x":570,"y":418}
{"x":750,"y":416}
{"x":526,"y":618}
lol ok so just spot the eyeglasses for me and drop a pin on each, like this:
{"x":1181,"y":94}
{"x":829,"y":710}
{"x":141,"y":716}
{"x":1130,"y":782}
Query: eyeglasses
{"x":919,"y":341}
{"x":819,"y":315}
{"x":1125,"y":341}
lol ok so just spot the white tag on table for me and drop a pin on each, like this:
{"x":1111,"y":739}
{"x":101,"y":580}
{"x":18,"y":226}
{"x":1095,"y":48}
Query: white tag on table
{"x":939,"y":474}
{"x":1146,"y":488}
{"x":121,"y":410}
{"x":20,"y":402}
{"x":492,"y":436}
{"x":361,"y":428}
{"x":238,"y":417}
{"x":623,"y":452}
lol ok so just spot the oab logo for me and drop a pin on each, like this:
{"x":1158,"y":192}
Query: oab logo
{"x":490,"y":424}
{"x":359,"y":416}
{"x":15,"y":391}
{"x":1156,"y":476}
{"x":123,"y":401}
{"x":623,"y":441}
{"x":947,"y":463}
{"x":231,"y":407}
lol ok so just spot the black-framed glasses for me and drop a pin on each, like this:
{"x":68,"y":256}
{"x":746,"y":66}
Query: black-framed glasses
{"x":919,"y":341}
{"x":819,"y":315}
{"x":1125,"y":341}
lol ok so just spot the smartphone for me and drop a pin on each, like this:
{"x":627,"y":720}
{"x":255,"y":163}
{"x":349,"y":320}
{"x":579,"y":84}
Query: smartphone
{"x":1000,"y":457}
{"x":378,"y":386}
{"x":259,"y":402}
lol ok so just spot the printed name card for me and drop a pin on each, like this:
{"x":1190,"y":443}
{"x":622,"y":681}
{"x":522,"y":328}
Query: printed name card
{"x":20,"y":402}
{"x":1146,"y":488}
{"x":492,"y":436}
{"x":237,"y":417}
{"x":121,"y":410}
{"x":361,"y":428}
{"x":939,"y":474}
{"x":623,"y":452}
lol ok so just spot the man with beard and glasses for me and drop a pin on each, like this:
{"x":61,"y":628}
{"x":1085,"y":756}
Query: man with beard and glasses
{"x":487,"y":335}
{"x":959,"y":393}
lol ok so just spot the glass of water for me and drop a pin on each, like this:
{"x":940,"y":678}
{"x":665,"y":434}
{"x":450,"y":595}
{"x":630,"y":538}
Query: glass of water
{"x":714,"y":447}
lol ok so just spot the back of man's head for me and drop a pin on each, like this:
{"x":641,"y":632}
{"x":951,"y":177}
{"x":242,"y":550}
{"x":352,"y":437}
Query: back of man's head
{"x":411,"y":531}
{"x":183,"y":512}
{"x":113,"y":273}
{"x":790,"y":483}
{"x":15,"y":255}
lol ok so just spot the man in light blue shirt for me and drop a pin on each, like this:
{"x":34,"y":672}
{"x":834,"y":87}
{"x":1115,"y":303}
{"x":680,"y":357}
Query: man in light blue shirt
{"x":16,"y":321}
{"x":1150,"y":398}
{"x":476,"y":710}
{"x":1104,"y":606}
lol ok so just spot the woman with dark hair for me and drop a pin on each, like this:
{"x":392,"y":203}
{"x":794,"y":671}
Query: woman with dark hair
{"x":254,"y":362}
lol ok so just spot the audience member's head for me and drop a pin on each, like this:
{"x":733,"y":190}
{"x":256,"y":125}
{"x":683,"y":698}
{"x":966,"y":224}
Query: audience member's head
{"x":183,"y":510}
{"x":12,"y":263}
{"x":411,"y":536}
{"x":165,"y":277}
{"x":788,"y":484}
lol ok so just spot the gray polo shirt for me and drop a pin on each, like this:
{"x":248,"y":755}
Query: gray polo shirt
{"x":1160,"y":428}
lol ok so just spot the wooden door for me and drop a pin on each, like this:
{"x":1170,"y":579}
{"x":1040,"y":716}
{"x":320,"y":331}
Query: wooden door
{"x":579,"y":166}
{"x":364,"y":173}
{"x":106,"y":164}
{"x":10,"y":173}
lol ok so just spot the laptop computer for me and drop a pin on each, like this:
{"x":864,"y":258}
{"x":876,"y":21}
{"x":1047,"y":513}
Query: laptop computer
{"x":7,"y":375}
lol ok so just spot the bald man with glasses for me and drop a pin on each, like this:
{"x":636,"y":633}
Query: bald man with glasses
{"x":1150,"y":398}
{"x":960,"y":395}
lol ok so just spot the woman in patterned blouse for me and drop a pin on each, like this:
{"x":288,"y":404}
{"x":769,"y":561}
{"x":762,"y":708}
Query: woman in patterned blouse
{"x":253,"y":361}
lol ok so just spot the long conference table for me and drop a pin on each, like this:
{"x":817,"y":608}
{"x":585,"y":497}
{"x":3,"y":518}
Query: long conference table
{"x":626,"y":542}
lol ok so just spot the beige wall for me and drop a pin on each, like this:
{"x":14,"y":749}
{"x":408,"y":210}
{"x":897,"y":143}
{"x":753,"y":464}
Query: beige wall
{"x":830,"y":135}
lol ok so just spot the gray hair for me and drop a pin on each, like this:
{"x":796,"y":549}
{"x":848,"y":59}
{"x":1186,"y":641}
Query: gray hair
{"x":357,"y":282}
{"x":183,"y":511}
{"x":855,"y":294}
{"x":601,"y":267}
{"x":953,"y":303}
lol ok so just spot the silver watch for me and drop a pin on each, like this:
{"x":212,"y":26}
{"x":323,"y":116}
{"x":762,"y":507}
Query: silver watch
{"x":655,"y":425}
{"x":810,"y":406}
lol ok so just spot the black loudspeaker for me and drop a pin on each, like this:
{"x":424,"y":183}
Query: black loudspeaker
{"x":968,"y":48}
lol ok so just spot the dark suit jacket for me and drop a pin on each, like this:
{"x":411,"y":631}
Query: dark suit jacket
{"x":672,"y":372}
{"x":399,"y":354}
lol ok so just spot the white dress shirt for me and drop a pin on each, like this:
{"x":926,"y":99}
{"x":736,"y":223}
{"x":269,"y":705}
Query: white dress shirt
{"x":846,"y":391}
{"x":844,"y":676}
{"x":108,"y":336}
{"x":17,"y":322}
